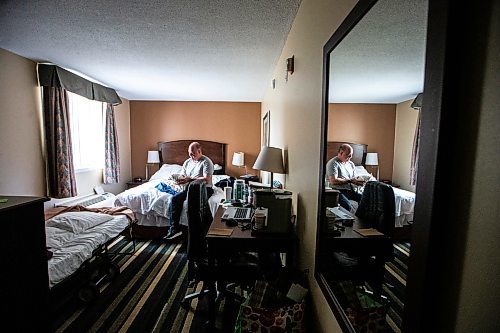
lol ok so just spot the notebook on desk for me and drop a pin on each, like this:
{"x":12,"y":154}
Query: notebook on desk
{"x":237,"y":213}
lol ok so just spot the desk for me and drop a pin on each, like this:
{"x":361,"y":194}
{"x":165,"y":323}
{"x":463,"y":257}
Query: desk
{"x":352,"y":242}
{"x":243,"y":241}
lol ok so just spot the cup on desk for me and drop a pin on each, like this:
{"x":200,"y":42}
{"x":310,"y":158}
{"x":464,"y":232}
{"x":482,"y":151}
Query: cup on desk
{"x":259,"y":220}
{"x":228,"y":192}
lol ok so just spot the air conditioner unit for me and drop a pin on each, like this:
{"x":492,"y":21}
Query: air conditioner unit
{"x":86,"y":200}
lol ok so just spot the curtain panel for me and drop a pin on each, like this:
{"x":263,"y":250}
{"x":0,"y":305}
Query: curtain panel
{"x":60,"y":171}
{"x":112,"y":158}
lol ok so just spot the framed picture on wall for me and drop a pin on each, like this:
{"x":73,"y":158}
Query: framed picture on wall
{"x":265,"y":129}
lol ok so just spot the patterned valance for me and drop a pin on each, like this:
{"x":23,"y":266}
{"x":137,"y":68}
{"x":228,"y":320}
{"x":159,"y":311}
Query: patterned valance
{"x":54,"y":76}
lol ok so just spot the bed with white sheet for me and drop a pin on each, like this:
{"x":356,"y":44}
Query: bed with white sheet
{"x":150,"y":204}
{"x":404,"y":200}
{"x":75,"y":236}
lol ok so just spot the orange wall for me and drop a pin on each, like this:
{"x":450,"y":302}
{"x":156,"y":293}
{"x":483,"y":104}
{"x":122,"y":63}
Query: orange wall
{"x":234,"y":123}
{"x":372,"y":124}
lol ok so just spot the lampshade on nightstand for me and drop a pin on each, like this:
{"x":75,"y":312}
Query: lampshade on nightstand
{"x":372,"y":162}
{"x":153,"y":158}
{"x":239,"y":160}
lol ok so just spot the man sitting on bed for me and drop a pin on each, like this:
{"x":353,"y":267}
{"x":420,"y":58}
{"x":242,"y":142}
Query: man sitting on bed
{"x":197,"y":166}
{"x":341,"y":173}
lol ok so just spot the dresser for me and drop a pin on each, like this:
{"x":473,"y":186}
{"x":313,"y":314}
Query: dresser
{"x":24,"y":281}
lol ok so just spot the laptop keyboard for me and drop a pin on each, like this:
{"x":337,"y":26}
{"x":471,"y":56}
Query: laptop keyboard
{"x":240,"y":213}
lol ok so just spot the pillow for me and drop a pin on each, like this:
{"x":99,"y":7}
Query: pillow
{"x":360,"y":170}
{"x":165,"y":171}
{"x":77,"y":222}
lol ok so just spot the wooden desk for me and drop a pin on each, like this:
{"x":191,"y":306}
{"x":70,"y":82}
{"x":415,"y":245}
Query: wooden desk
{"x":355,"y":244}
{"x":242,"y":240}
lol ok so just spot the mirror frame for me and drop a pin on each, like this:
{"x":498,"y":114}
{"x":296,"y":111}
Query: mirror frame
{"x":427,"y":306}
{"x":352,"y":19}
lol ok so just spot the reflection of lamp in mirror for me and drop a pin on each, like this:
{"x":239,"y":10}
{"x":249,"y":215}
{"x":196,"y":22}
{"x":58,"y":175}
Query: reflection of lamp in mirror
{"x":153,"y":158}
{"x":239,"y":160}
{"x":372,"y":162}
{"x":270,"y":159}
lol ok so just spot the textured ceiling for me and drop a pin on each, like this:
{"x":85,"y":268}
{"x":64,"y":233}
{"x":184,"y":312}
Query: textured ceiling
{"x":213,"y":50}
{"x":206,"y":50}
{"x":382,"y":59}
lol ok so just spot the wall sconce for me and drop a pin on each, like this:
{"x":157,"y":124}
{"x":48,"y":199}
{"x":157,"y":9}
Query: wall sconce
{"x":290,"y":66}
{"x":239,"y":160}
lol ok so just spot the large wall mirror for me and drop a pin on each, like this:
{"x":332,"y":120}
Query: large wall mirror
{"x":373,"y":74}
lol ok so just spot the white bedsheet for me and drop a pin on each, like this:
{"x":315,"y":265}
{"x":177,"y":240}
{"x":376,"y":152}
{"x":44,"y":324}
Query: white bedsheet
{"x":71,"y":250}
{"x":146,"y":199}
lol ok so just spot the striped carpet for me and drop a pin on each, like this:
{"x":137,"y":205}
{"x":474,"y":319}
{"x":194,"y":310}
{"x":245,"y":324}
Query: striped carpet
{"x":395,"y":284}
{"x":144,"y":297}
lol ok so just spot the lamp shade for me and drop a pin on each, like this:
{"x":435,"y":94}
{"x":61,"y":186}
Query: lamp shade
{"x":417,"y":102}
{"x":371,"y":159}
{"x":270,"y":159}
{"x":239,"y":159}
{"x":153,"y":156}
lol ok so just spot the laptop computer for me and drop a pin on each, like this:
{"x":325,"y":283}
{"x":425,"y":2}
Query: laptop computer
{"x":237,"y":213}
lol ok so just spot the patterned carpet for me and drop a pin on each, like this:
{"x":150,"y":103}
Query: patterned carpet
{"x":395,"y":284}
{"x":144,"y":297}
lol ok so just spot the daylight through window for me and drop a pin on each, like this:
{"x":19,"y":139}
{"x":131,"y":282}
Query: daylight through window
{"x":87,"y":132}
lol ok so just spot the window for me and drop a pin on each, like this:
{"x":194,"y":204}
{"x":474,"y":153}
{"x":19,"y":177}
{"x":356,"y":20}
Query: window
{"x":87,"y":132}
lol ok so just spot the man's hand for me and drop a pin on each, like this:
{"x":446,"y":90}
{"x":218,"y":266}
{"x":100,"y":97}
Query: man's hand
{"x":358,"y":181}
{"x":183,"y":180}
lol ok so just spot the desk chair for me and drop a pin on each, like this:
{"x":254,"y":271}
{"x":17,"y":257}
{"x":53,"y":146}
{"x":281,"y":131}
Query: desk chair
{"x":376,"y":209}
{"x":240,"y":267}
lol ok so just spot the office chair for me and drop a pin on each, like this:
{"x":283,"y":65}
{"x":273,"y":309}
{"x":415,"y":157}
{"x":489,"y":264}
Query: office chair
{"x":238,"y":267}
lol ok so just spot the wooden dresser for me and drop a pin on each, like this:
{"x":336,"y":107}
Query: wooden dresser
{"x":24,"y":281}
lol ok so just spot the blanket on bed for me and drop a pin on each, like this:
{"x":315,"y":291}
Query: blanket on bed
{"x":120,"y":210}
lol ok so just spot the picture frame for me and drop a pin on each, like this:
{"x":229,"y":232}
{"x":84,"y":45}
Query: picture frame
{"x":265,"y":129}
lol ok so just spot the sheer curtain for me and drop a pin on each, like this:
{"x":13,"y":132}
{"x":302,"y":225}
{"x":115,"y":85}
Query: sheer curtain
{"x":60,"y":171}
{"x":112,"y":157}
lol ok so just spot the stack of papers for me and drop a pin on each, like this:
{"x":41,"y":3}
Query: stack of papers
{"x":220,"y":231}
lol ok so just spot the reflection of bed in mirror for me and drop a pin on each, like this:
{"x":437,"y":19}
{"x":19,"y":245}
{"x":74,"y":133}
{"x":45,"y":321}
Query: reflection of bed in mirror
{"x":404,"y":200}
{"x":151,"y":204}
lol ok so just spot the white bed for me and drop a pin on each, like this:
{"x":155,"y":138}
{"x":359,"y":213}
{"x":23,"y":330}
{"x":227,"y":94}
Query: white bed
{"x":150,"y":205}
{"x":72,"y":238}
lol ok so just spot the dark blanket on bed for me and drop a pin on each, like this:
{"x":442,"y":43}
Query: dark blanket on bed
{"x":120,"y":210}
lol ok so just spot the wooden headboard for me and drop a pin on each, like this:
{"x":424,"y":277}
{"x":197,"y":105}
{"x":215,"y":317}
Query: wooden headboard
{"x":358,"y":151}
{"x":176,"y":152}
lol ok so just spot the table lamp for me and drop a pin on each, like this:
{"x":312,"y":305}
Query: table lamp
{"x":239,"y":160}
{"x":270,"y":159}
{"x":372,"y":161}
{"x":153,"y":158}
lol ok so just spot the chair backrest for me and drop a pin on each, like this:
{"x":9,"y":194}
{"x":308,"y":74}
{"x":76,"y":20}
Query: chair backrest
{"x":377,"y":206}
{"x":199,"y":219}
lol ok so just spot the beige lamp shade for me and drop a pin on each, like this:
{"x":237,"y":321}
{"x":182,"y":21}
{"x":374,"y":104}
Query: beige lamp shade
{"x":239,"y":159}
{"x":153,"y":156}
{"x":270,"y":159}
{"x":371,"y":159}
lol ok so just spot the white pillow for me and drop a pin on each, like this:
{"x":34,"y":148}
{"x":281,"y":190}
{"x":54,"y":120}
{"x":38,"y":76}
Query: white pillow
{"x":166,"y":170}
{"x":360,"y":170}
{"x":77,"y":222}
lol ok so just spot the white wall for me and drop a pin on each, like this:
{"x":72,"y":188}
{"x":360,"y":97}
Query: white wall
{"x":295,"y":121}
{"x":406,"y":122}
{"x":22,"y":170}
{"x":22,"y":166}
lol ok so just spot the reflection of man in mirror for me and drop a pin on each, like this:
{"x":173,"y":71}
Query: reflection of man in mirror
{"x":341,"y":173}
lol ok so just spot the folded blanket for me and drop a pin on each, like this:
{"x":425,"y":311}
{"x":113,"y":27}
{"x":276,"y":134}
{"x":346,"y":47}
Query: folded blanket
{"x":120,"y":210}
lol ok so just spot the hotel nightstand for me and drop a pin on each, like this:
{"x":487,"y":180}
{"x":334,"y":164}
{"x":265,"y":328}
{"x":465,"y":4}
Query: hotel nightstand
{"x":134,"y":183}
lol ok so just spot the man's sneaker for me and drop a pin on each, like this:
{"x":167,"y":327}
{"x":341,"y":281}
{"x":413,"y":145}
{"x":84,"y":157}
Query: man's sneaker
{"x":173,"y":234}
